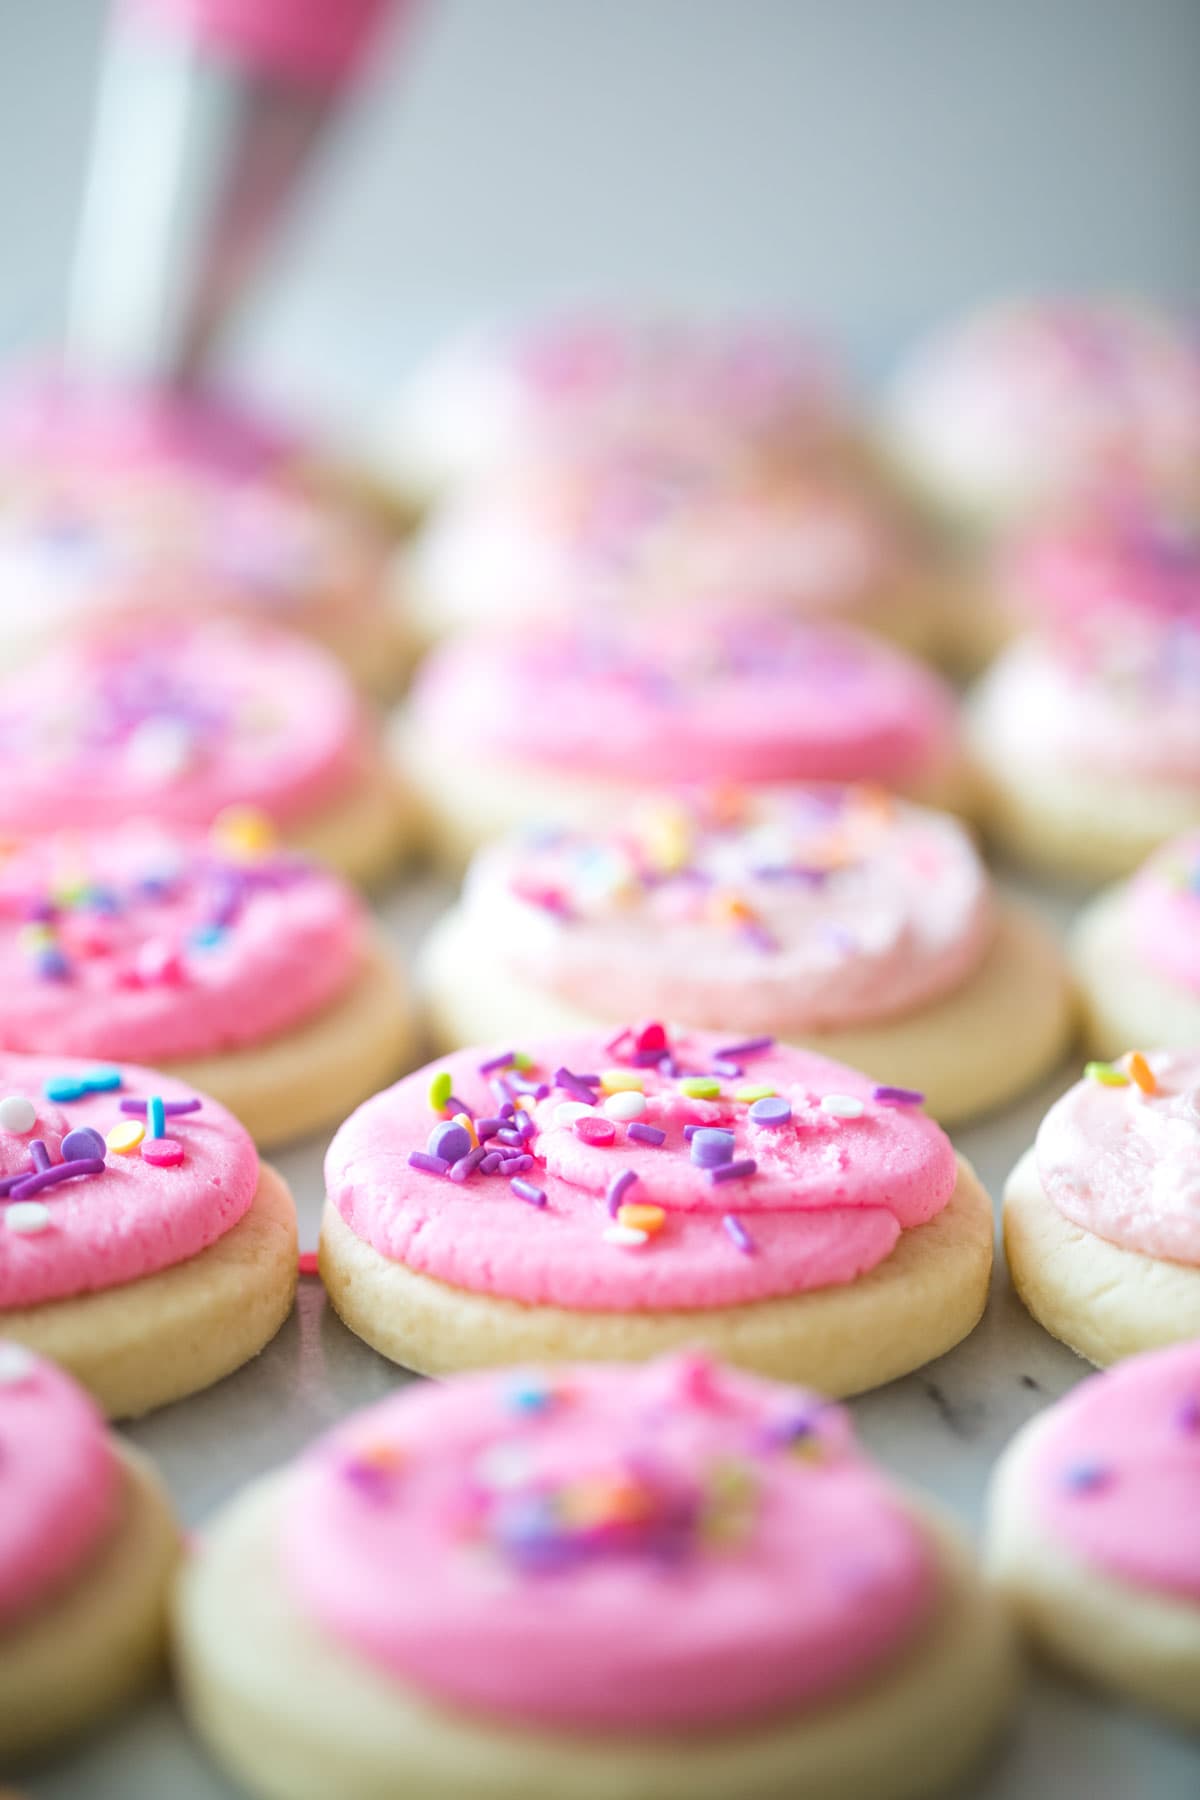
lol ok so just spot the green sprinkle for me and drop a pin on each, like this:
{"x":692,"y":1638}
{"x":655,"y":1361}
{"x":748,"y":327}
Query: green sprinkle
{"x":440,"y":1090}
{"x":522,"y":1061}
{"x":748,"y":1095}
{"x":1106,"y":1075}
{"x":700,"y":1087}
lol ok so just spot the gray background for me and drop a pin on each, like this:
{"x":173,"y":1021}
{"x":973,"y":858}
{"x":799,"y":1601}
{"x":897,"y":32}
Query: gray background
{"x":870,"y":162}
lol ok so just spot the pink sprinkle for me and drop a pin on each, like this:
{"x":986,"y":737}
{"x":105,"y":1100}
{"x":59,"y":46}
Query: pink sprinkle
{"x":652,"y":1036}
{"x":163,"y":1153}
{"x":595,"y":1130}
{"x":307,"y":1263}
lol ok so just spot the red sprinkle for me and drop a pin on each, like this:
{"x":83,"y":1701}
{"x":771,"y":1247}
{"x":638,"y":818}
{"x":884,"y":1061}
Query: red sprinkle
{"x":651,"y":1036}
{"x":308,"y":1263}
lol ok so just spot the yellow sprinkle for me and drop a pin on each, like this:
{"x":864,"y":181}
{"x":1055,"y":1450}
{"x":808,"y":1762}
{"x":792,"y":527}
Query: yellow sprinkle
{"x":623,"y":1081}
{"x":244,"y":832}
{"x":1106,"y":1075}
{"x":1142,"y":1073}
{"x":126,"y":1136}
{"x":748,"y":1095}
{"x":700,"y":1087}
{"x":464,"y":1119}
{"x":640,"y":1217}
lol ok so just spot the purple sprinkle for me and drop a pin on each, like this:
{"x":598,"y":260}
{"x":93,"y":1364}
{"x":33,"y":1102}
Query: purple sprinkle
{"x":738,"y":1234}
{"x":52,"y":965}
{"x":525,"y":1190}
{"x":490,"y":1163}
{"x":432,"y":1165}
{"x":711,"y":1148}
{"x":748,"y":1047}
{"x":84,"y":1143}
{"x":503,"y":1061}
{"x":647,"y":1059}
{"x":646,"y":1134}
{"x":582,"y":1086}
{"x":449,"y":1142}
{"x":1187,"y":1414}
{"x":39,"y":1153}
{"x":508,"y":1136}
{"x":467,"y":1165}
{"x":527,"y":1128}
{"x":898,"y":1096}
{"x":618,"y":1187}
{"x":33,"y":1184}
{"x":501,"y":1092}
{"x":455,"y":1105}
{"x":729,"y":1071}
{"x":1086,"y":1477}
{"x":516,"y":1165}
{"x":772,"y":1110}
{"x":732,"y":1171}
{"x":487,"y":1128}
{"x":171,"y":1108}
{"x":669,"y":1067}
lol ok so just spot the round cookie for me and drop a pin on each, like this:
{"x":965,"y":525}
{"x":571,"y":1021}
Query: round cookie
{"x":636,"y":528}
{"x":833,"y":918}
{"x":1136,"y":955}
{"x":576,"y":722}
{"x":115,"y":498}
{"x":143,"y":1247}
{"x":674,"y":1580}
{"x":558,"y":386}
{"x":1092,"y":1533}
{"x":650,"y":1192}
{"x":1027,"y":404}
{"x":175,"y":722}
{"x":246,"y":972}
{"x":87,"y":1548}
{"x":1102,"y":1216}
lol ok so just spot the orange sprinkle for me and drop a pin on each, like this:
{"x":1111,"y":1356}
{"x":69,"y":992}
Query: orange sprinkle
{"x":464,"y":1119}
{"x":645,"y":1218}
{"x":1142,"y":1073}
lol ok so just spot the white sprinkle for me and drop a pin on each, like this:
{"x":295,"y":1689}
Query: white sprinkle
{"x":627,"y":1236}
{"x":160,"y":750}
{"x":567,"y":1111}
{"x":16,"y":1364}
{"x":843,"y":1106}
{"x":503,"y":1465}
{"x":27,"y":1217}
{"x":17,"y":1113}
{"x":627,"y":1105}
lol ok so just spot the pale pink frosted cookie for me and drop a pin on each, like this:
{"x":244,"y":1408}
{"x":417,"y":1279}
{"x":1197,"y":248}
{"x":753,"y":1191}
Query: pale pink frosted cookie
{"x":142,"y":1244}
{"x":86,"y":1549}
{"x":1026,"y":404}
{"x":833,"y":917}
{"x":1136,"y":951}
{"x":1102,"y":1216}
{"x":248,"y":971}
{"x":610,"y":1194}
{"x":178,"y":721}
{"x":584,"y":382}
{"x":571,"y":723}
{"x":635,"y":527}
{"x":1094,"y":1533}
{"x":674,"y":1580}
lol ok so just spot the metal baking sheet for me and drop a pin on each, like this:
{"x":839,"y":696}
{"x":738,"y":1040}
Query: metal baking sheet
{"x":940,"y":1429}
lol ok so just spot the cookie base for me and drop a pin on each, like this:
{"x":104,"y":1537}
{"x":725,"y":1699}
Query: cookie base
{"x":366,"y":833}
{"x":1102,"y":1301}
{"x":917,"y":1304}
{"x":293,"y":1715}
{"x":100,"y":1641}
{"x":1126,"y":1005}
{"x":310,"y":1078}
{"x":1007,"y":1025}
{"x":1130,"y":1640}
{"x":146,"y":1342}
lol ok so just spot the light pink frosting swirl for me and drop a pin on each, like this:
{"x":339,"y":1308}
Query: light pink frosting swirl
{"x":1164,"y":912}
{"x":174,"y":722}
{"x":829,"y":1194}
{"x":723,"y":695}
{"x":58,"y":1483}
{"x":1117,"y":1473}
{"x":611,"y":1549}
{"x":1126,"y":1165}
{"x":153,"y":944}
{"x":783,"y":909}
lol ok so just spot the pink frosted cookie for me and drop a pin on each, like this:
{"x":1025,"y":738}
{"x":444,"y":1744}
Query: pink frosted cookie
{"x":1027,"y":404}
{"x":1102,"y":1216}
{"x":1095,"y":1529}
{"x":614,"y":1195}
{"x":582,"y":383}
{"x":87,"y":1545}
{"x":180,"y":723}
{"x":1136,"y":952}
{"x":1088,"y":731}
{"x":575,"y":722}
{"x":114,"y":498}
{"x":832,"y":917}
{"x":639,"y":528}
{"x":250,"y":973}
{"x":142,"y":1244}
{"x":670,"y":1581}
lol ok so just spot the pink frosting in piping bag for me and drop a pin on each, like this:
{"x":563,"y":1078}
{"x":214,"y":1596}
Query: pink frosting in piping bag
{"x":604,"y":1548}
{"x":58,"y":1482}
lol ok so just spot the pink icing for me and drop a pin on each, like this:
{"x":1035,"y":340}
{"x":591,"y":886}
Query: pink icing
{"x":827,"y":1201}
{"x":175,"y":722}
{"x":616,"y":1549}
{"x":1164,"y":911}
{"x":58,"y":1481}
{"x":306,"y":40}
{"x":133,"y":1218}
{"x":1117,"y":560}
{"x":154,"y":945}
{"x":729,"y":695}
{"x":781,"y":909}
{"x":1126,"y":1165}
{"x":1117,"y":1473}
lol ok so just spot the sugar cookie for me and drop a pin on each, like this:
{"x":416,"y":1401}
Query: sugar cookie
{"x":1136,"y":953}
